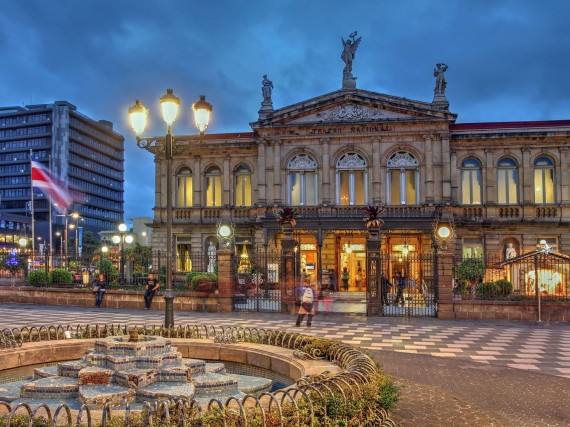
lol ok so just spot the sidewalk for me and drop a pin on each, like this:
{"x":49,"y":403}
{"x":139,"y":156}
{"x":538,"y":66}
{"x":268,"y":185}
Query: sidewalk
{"x":454,"y":373}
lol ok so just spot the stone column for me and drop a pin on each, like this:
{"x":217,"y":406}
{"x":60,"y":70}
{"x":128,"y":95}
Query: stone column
{"x":446,"y":166}
{"x":277,"y":198}
{"x":373,"y":275}
{"x":326,"y":176}
{"x":454,"y":173}
{"x":378,"y":195}
{"x":288,"y":273}
{"x":428,"y":149}
{"x":564,"y":194}
{"x":197,"y":182}
{"x":225,"y":279}
{"x":444,"y":275}
{"x":226,"y":182}
{"x":527,"y":177}
{"x":490,"y":196}
{"x":261,"y":173}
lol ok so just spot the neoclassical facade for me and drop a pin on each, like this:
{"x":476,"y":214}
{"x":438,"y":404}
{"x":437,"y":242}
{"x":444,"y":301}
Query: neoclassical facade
{"x":506,"y":185}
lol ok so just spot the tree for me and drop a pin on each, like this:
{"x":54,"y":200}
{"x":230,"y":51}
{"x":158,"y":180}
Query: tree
{"x":472,"y":271}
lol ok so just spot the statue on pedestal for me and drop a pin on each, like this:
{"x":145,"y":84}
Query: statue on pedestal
{"x":510,"y":251}
{"x":211,"y":257}
{"x":349,"y":48}
{"x":440,"y":82}
{"x":266,"y":88}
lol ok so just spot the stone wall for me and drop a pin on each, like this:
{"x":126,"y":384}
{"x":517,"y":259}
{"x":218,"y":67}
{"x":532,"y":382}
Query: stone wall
{"x":505,"y":310}
{"x":112,"y":299}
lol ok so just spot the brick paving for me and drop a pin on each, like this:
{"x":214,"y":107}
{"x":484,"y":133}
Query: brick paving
{"x":454,"y":373}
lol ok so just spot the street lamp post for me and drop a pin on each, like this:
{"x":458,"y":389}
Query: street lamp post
{"x":138,"y":115}
{"x":104,"y":250}
{"x":124,"y":237}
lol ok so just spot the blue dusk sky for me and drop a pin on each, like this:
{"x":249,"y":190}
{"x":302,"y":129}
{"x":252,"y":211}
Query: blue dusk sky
{"x":508,"y":60}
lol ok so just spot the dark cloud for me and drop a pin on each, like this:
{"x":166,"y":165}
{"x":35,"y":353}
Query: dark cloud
{"x":508,"y":60}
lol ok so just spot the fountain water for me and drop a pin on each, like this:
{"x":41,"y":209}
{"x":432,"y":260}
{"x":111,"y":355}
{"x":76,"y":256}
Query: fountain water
{"x":135,"y":369}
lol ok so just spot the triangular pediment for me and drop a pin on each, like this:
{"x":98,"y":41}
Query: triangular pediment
{"x":352,"y":106}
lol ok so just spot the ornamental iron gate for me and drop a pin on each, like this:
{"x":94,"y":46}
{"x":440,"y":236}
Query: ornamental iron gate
{"x":400,"y":285}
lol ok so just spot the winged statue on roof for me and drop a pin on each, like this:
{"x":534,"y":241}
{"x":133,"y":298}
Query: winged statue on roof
{"x":349,"y":48}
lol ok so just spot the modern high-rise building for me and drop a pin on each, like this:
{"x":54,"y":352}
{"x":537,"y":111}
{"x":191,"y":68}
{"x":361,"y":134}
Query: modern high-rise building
{"x":85,"y":154}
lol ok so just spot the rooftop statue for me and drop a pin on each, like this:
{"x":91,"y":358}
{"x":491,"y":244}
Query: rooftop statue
{"x":440,"y":82}
{"x":349,"y":48}
{"x":266,"y":88}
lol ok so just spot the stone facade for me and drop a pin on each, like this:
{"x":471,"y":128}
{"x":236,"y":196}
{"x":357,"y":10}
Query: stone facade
{"x":330,"y":156}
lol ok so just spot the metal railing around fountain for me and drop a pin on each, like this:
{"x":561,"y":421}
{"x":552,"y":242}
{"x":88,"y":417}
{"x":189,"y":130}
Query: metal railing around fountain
{"x":294,"y":403}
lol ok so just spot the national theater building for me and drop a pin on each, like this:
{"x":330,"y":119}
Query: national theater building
{"x":329,"y":157}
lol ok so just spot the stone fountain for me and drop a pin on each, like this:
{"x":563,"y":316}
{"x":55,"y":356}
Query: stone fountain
{"x":135,"y":369}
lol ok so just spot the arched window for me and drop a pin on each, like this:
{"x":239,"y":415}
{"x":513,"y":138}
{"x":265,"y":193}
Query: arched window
{"x":543,"y":181}
{"x":403,"y":179}
{"x":351,"y":180}
{"x":243,"y":186}
{"x":507,"y":181}
{"x":213,"y":187}
{"x":302,"y":180}
{"x":471,"y":187}
{"x":184,"y":188}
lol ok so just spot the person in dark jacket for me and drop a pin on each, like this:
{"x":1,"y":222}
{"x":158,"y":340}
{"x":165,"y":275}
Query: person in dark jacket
{"x":384,"y":289}
{"x":152,"y":286}
{"x":101,"y":285}
{"x":401,"y":284}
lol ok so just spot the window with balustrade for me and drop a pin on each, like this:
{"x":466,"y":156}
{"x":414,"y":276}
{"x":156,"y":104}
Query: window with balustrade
{"x":184,"y":188}
{"x":403,"y":179}
{"x":471,"y":182}
{"x":543,"y":181}
{"x":302,"y":181}
{"x":507,"y":182}
{"x":351,"y":180}
{"x":214,"y":187}
{"x":243,"y":186}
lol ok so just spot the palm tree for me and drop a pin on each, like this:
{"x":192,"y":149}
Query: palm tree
{"x":287,"y":216}
{"x":372,"y":218}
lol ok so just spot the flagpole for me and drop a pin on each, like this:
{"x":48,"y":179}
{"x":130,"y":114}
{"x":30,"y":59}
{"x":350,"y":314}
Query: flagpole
{"x":33,"y":212}
{"x":50,"y":262}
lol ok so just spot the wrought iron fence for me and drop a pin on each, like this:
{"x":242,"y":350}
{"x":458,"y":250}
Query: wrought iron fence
{"x":518,"y":279}
{"x":257,"y":285}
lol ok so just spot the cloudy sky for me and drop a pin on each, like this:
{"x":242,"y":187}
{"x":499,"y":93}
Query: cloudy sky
{"x":508,"y":60}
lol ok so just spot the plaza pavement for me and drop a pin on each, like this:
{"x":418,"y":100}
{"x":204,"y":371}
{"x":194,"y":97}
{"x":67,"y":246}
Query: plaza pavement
{"x":453,"y":373}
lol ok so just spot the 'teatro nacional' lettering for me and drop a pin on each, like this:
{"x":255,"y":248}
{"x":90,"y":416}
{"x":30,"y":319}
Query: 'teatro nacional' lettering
{"x":353,"y":129}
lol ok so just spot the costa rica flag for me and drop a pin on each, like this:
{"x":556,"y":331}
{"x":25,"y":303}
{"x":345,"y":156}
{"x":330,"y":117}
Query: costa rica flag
{"x":51,"y":186}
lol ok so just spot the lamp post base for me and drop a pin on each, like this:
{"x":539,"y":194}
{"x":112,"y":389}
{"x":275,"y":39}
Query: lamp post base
{"x":168,"y":309}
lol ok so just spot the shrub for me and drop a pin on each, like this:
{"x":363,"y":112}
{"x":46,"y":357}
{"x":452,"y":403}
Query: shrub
{"x":59,"y":276}
{"x":37,"y":278}
{"x":504,"y":287}
{"x":486,"y":290}
{"x":472,"y":270}
{"x":199,"y":279}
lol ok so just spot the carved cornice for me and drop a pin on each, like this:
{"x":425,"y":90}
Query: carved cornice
{"x":352,"y":112}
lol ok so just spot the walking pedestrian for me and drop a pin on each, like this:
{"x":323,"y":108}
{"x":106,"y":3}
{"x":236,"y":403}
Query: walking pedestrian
{"x":384,"y":289}
{"x":307,"y":307}
{"x":401,"y":284}
{"x":152,"y":285}
{"x":100,"y":286}
{"x":345,"y":277}
{"x":333,"y":282}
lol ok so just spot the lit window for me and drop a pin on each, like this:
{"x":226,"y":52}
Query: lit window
{"x":507,"y":181}
{"x":302,"y":180}
{"x":213,"y":187}
{"x":543,"y":181}
{"x":403,"y":179}
{"x":351,"y":180}
{"x":243,"y":186}
{"x":184,"y":188}
{"x":471,"y":182}
{"x":472,"y":247}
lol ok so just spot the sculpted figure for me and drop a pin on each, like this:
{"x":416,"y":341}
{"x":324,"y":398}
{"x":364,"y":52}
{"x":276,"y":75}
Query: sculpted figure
{"x":440,"y":82}
{"x":510,"y":252}
{"x":266,"y":88}
{"x":349,"y":51}
{"x":211,"y":257}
